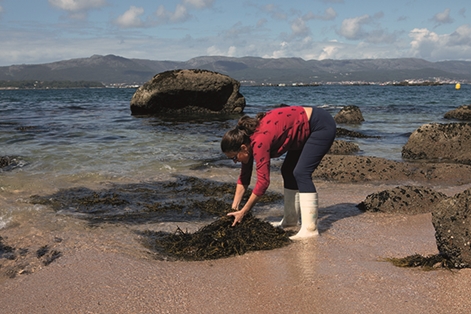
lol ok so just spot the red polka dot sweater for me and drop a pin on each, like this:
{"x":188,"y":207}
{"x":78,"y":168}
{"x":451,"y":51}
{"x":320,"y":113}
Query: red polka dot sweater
{"x":281,"y":129}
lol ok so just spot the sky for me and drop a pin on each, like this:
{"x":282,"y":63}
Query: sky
{"x":43,"y":31}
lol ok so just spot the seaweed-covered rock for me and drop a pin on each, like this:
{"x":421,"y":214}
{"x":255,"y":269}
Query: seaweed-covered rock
{"x":188,"y":92}
{"x":440,"y":142}
{"x":402,"y":199}
{"x":451,"y":219}
{"x":349,"y":169}
{"x":349,"y":115}
{"x":460,"y":113}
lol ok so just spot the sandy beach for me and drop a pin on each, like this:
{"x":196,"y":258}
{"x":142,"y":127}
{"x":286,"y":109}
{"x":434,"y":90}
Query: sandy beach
{"x":341,"y":271}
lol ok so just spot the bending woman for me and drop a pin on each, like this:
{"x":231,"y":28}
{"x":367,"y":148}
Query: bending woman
{"x":305,"y":134}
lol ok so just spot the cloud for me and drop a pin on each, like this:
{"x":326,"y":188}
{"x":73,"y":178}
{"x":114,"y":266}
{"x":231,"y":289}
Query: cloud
{"x":180,"y":15}
{"x":131,"y":18}
{"x":430,"y":45}
{"x":236,"y":31}
{"x":200,"y":4}
{"x":215,"y":51}
{"x":274,"y":11}
{"x":329,"y":15}
{"x":443,"y":17}
{"x":353,"y":28}
{"x":462,"y":12}
{"x":261,"y":22}
{"x":299,"y":28}
{"x":77,"y":9}
{"x":357,"y":29}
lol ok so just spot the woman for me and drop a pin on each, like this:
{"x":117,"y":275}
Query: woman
{"x":305,"y":134}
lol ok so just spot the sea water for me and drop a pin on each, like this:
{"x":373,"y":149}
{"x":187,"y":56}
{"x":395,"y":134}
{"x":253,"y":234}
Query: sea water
{"x":88,"y":136}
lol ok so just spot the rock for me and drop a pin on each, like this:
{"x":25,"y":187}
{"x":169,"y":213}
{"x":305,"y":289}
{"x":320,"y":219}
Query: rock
{"x":351,"y":169}
{"x":452,"y":222}
{"x":349,"y":115}
{"x":461,"y":113}
{"x":8,"y":163}
{"x":188,"y":92}
{"x":5,"y":161}
{"x":402,"y":199}
{"x":440,"y":142}
{"x":341,"y":132}
{"x":343,"y":148}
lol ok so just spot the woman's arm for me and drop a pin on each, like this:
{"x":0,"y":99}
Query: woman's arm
{"x":239,"y":214}
{"x":239,"y":194}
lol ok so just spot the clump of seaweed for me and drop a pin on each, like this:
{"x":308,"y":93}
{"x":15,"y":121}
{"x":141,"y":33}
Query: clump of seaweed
{"x":426,"y":262}
{"x":16,"y":261}
{"x":218,"y":239}
{"x":48,"y":255}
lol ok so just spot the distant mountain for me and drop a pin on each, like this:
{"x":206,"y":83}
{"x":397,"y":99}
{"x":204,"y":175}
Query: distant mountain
{"x":113,"y":69}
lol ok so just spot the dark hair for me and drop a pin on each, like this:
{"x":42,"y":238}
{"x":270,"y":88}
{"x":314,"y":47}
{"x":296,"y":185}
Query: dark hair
{"x":240,"y":134}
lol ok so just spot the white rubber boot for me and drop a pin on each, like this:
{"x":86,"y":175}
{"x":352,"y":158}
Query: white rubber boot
{"x":291,"y":209}
{"x":309,"y":207}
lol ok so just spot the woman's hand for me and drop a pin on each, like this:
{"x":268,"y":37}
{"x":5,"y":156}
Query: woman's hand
{"x":238,"y":216}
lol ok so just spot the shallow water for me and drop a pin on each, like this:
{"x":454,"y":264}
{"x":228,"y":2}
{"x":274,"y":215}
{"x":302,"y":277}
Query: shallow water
{"x":87,"y":137}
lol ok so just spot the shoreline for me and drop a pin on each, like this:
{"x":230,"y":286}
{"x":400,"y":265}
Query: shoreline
{"x":342,"y":271}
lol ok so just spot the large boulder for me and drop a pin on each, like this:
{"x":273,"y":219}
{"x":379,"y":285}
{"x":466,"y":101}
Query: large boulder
{"x":188,"y":92}
{"x":451,"y":219}
{"x":349,"y":115}
{"x":402,"y":199}
{"x":460,"y":113}
{"x":440,"y":142}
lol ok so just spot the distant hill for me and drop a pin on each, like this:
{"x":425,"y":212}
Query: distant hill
{"x":113,"y":69}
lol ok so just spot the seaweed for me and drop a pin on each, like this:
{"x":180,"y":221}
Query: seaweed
{"x":218,"y":239}
{"x":425,"y":262}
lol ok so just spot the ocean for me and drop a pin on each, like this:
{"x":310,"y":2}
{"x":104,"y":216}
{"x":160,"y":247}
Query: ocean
{"x":84,"y":137}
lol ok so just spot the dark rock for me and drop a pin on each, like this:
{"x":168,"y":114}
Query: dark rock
{"x":451,"y":219}
{"x":341,"y":132}
{"x":188,"y":92}
{"x":343,"y":148}
{"x":460,"y":113}
{"x":440,"y":142}
{"x":349,"y":115}
{"x":350,"y":169}
{"x":8,"y":163}
{"x":402,"y":199}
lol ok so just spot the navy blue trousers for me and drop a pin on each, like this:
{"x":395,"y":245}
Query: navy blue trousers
{"x":299,"y":165}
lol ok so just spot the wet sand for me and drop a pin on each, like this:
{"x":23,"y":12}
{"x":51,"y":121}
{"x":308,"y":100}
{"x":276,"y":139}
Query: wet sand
{"x":341,"y":271}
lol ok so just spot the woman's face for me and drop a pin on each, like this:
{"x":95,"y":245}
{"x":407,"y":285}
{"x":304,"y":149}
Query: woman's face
{"x":243,"y":155}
